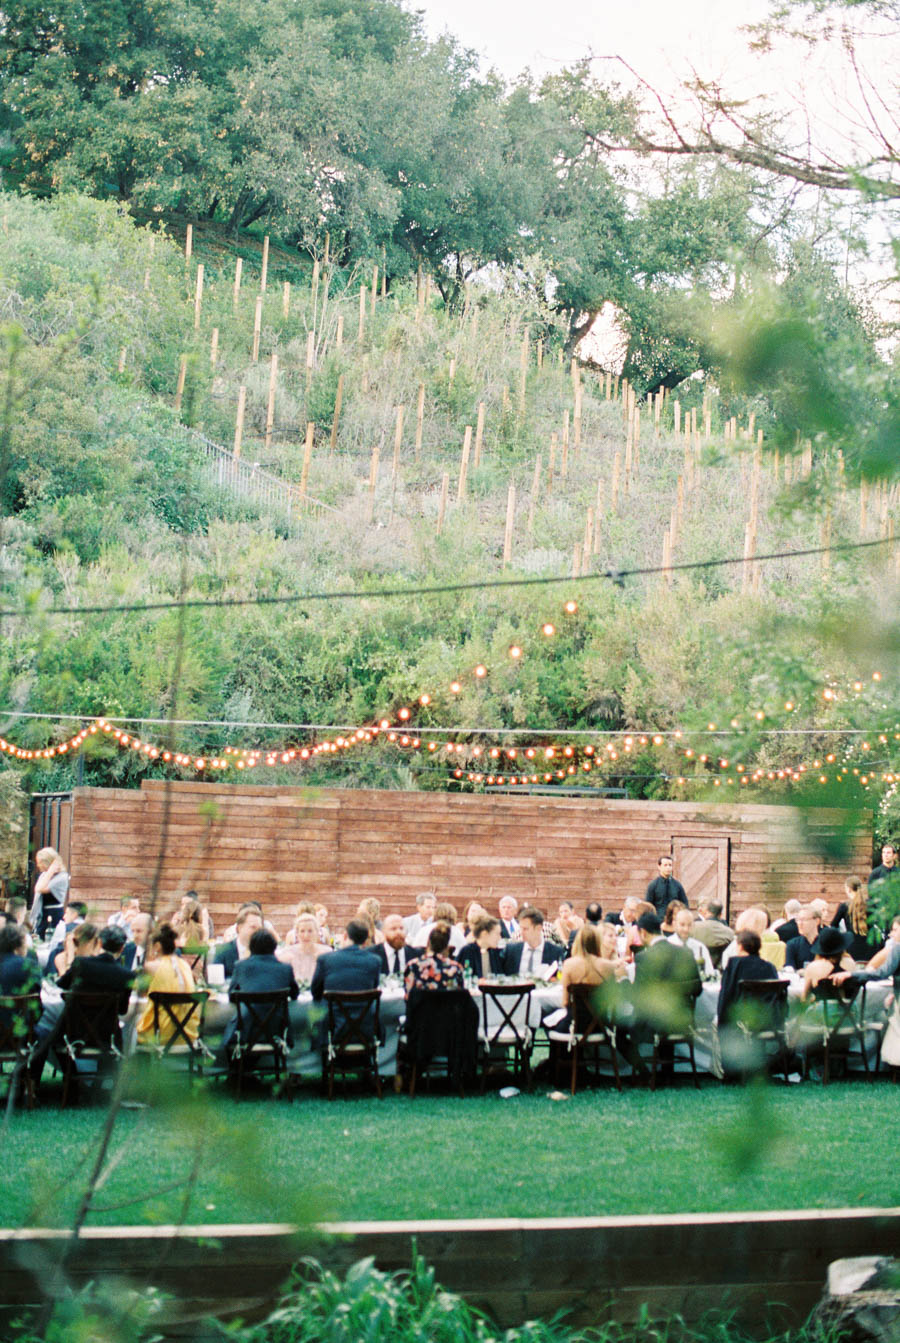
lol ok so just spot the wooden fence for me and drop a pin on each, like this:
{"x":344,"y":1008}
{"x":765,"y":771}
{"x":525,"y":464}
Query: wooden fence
{"x":283,"y":845}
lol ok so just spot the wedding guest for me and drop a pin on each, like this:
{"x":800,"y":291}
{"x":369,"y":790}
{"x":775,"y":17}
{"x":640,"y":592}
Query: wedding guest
{"x":303,"y":953}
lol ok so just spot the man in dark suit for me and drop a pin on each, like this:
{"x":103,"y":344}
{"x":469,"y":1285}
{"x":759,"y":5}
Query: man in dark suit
{"x":248,"y":922}
{"x":509,"y":924}
{"x":349,"y":969}
{"x":484,"y":956}
{"x":664,"y":888}
{"x":527,"y":957}
{"x":136,"y":947}
{"x":799,"y":951}
{"x":261,"y":971}
{"x":746,"y":964}
{"x":393,"y":953}
{"x":666,"y":981}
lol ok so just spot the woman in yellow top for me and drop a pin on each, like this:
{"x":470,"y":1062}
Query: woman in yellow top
{"x":172,"y":975}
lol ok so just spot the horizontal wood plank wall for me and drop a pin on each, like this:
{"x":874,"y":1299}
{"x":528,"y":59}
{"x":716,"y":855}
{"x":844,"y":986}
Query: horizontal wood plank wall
{"x":284,"y":845}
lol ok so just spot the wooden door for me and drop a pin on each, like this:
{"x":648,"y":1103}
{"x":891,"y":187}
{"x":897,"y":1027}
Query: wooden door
{"x":701,"y":865}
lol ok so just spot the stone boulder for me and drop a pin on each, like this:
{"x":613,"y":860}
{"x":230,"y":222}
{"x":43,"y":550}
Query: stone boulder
{"x":862,"y":1298}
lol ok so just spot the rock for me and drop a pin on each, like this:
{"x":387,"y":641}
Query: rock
{"x":862,"y":1300}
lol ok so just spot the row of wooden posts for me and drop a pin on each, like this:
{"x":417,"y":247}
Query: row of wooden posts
{"x":690,"y":425}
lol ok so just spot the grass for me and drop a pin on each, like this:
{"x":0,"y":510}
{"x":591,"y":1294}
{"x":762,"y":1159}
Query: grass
{"x":439,"y":1156}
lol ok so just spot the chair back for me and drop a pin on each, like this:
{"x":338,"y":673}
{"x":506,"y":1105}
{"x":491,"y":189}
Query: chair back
{"x":443,"y":1023}
{"x":588,"y":1016}
{"x":506,"y":1007}
{"x":90,"y":1022}
{"x":172,"y":1012}
{"x":262,"y":1019}
{"x":843,"y":1005}
{"x":19,"y":1014}
{"x":353,"y":1018}
{"x":761,"y":1004}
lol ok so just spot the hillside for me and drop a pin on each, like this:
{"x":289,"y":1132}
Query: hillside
{"x":466,"y":447}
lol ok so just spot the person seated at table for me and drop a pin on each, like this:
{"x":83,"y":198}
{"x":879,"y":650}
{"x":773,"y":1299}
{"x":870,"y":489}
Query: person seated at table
{"x":755,"y":919}
{"x":129,"y":908}
{"x":19,"y":972}
{"x":610,"y":949}
{"x":372,"y":907}
{"x":668,"y":919}
{"x":508,"y":908}
{"x":138,"y":953}
{"x":74,"y":913}
{"x":322,"y":919}
{"x":830,"y":961}
{"x":261,"y":971}
{"x":304,"y":907}
{"x":799,"y":951}
{"x":747,"y":963}
{"x":885,"y":964}
{"x":566,"y":924}
{"x":534,"y":951}
{"x":421,"y":921}
{"x":444,"y":912}
{"x":302,"y":954}
{"x":786,"y":926}
{"x":351,"y":968}
{"x":191,"y":924}
{"x":231,"y":933}
{"x":711,"y":930}
{"x":683,"y":936}
{"x":171,"y":975}
{"x":372,"y":933}
{"x":435,"y":969}
{"x":852,"y":916}
{"x":473,"y":911}
{"x":393,"y":953}
{"x":666,"y":981}
{"x":81,"y":941}
{"x":483,"y":957}
{"x":249,"y":921}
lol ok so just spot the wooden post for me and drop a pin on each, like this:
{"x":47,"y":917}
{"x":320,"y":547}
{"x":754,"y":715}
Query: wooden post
{"x":147,"y":278}
{"x":286,"y":299}
{"x":374,"y":287}
{"x":179,"y":390}
{"x":625,"y":386}
{"x":551,"y":465}
{"x":327,"y":255}
{"x":576,"y":426}
{"x":629,"y":451}
{"x":188,"y":242}
{"x":420,"y":419}
{"x":479,"y":432}
{"x":679,"y":499}
{"x":535,"y":491}
{"x":315,"y":287}
{"x":510,"y":518}
{"x":464,"y":463}
{"x":238,"y":267}
{"x":373,"y":481}
{"x":270,"y":407}
{"x":608,"y":385}
{"x":707,"y":423}
{"x":198,"y":297}
{"x":589,"y":533}
{"x":452,"y":374}
{"x":339,"y":337}
{"x":442,"y":507}
{"x":338,"y":398}
{"x":576,"y":559}
{"x":239,"y":420}
{"x":122,"y":354}
{"x":564,"y":460}
{"x":307,"y":457}
{"x":617,"y":468}
{"x":362,"y":312}
{"x":257,"y":327}
{"x":636,"y":435}
{"x":398,"y":439}
{"x":265,"y":264}
{"x":310,"y":356}
{"x":540,"y":354}
{"x":749,"y":546}
{"x":676,"y":416}
{"x":214,"y":347}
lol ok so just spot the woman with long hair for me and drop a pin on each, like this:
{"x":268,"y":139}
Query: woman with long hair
{"x":852,"y":915}
{"x":171,"y":975}
{"x":304,"y":950}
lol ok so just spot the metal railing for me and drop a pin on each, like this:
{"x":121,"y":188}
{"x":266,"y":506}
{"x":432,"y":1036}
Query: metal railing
{"x":247,"y":480}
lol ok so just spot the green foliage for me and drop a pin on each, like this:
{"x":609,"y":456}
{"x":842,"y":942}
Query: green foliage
{"x":13,"y":825}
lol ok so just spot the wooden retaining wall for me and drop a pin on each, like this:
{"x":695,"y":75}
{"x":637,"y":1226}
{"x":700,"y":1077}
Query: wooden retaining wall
{"x":284,"y":845}
{"x":606,"y":1268}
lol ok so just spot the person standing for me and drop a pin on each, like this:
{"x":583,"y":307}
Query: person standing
{"x":664,"y":888}
{"x":886,"y":868}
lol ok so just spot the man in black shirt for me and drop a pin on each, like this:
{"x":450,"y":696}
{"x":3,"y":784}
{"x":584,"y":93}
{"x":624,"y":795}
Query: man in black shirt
{"x":799,"y":951}
{"x":887,"y":868}
{"x":664,"y":888}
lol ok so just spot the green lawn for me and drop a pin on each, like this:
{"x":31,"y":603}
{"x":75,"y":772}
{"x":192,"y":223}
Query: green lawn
{"x":530,"y":1156}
